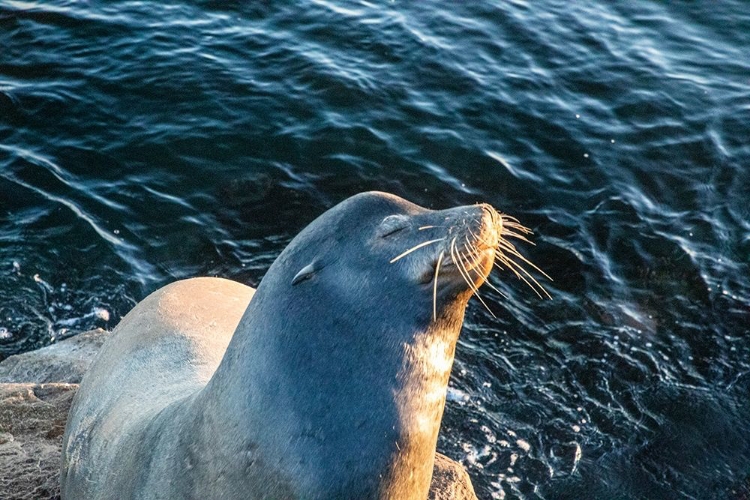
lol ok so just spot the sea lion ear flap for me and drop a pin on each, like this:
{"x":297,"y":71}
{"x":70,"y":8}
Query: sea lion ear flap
{"x":305,"y":273}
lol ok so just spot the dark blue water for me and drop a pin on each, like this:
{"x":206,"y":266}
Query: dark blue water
{"x":142,"y":143}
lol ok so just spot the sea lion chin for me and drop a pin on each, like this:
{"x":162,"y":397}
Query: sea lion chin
{"x":330,"y":383}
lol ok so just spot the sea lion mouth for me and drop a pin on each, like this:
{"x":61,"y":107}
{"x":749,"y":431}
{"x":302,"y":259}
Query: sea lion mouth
{"x":474,"y":241}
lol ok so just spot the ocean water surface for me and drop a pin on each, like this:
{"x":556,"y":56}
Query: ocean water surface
{"x":144,"y":142}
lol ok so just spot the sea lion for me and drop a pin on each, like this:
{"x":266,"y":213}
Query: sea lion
{"x":332,"y":385}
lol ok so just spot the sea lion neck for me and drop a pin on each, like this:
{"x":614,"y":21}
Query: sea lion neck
{"x":334,"y":353}
{"x":347,"y":386}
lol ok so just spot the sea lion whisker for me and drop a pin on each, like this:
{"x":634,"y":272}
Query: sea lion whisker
{"x":504,"y":260}
{"x":468,"y":245}
{"x":520,"y":276}
{"x":472,"y":257}
{"x":517,"y":236}
{"x":422,"y":228}
{"x":479,"y":238}
{"x":454,"y":257}
{"x":457,"y":262}
{"x":467,"y":277}
{"x":512,"y":227}
{"x":511,"y":249}
{"x":472,"y":251}
{"x":516,"y":225}
{"x":514,"y":266}
{"x":460,"y":265}
{"x":505,"y":245}
{"x":493,"y":287}
{"x":524,"y":271}
{"x":509,"y":220}
{"x":434,"y":286}
{"x":416,"y":247}
{"x":475,"y":259}
{"x":487,"y":280}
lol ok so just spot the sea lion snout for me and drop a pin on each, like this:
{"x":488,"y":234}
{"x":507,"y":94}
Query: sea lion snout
{"x":459,"y":248}
{"x":472,"y":237}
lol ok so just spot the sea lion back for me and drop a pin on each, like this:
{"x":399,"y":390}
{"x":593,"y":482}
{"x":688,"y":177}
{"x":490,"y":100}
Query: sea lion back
{"x":164,"y":350}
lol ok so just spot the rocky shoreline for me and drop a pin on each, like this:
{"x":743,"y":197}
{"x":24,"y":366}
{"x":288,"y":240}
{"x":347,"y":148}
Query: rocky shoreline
{"x":36,"y":391}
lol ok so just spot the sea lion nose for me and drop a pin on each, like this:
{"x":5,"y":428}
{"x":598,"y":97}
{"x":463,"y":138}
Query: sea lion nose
{"x":491,"y":225}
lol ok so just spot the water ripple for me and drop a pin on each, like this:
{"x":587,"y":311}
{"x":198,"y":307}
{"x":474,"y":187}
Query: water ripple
{"x":141,"y":145}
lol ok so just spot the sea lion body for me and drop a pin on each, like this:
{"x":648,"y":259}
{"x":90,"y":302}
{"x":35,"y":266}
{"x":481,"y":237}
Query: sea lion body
{"x":167,"y":347}
{"x":331,"y":383}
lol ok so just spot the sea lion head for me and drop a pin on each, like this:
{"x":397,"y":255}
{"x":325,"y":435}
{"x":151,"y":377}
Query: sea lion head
{"x":394,"y":256}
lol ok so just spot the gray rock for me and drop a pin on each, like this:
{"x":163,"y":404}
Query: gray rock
{"x":450,"y":481}
{"x":32,"y":422}
{"x":64,"y":361}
